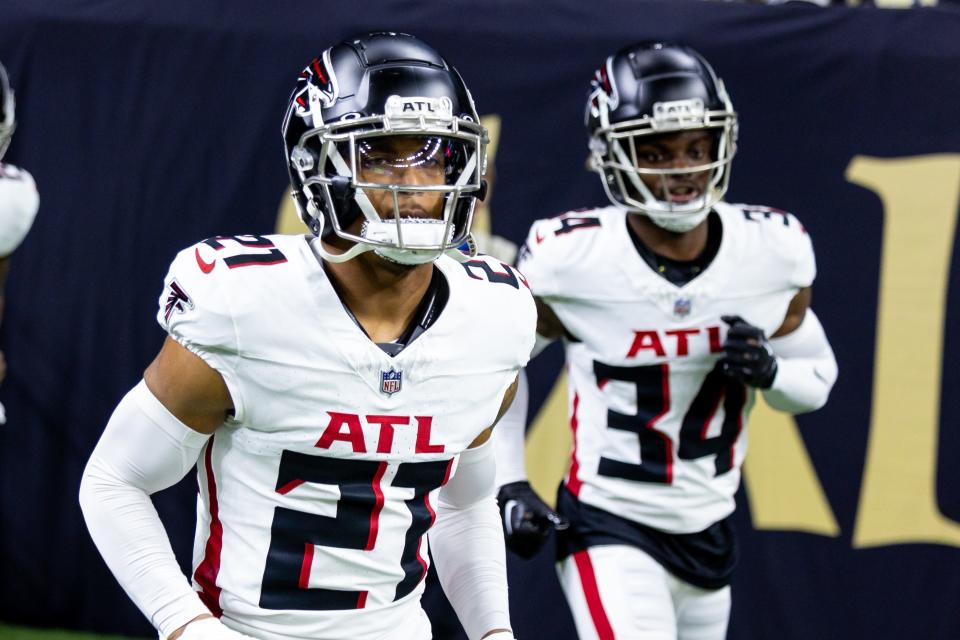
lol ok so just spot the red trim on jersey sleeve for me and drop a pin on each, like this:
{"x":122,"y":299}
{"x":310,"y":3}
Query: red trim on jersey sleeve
{"x":362,"y":600}
{"x":206,"y":574}
{"x":573,"y":482}
{"x":377,"y":508}
{"x":591,"y":592}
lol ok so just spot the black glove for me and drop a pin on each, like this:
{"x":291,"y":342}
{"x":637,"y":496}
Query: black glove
{"x":747,"y":355}
{"x":527,"y":521}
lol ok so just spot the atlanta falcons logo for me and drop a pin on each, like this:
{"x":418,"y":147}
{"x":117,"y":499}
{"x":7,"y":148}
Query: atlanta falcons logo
{"x":317,"y":86}
{"x":178,"y":301}
{"x":602,"y":84}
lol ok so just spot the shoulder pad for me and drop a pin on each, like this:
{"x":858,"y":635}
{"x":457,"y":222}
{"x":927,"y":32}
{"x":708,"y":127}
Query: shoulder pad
{"x":555,"y":242}
{"x":500,"y":300}
{"x":782,"y":234}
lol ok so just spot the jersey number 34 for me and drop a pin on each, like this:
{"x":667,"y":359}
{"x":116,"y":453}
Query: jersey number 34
{"x":653,"y":402}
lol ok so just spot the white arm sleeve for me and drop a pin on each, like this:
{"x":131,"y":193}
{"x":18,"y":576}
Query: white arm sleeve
{"x":806,"y":368}
{"x":509,"y":436}
{"x":467,"y":545}
{"x":143,"y":449}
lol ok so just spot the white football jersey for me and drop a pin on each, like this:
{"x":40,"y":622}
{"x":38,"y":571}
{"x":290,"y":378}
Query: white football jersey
{"x":19,"y":202}
{"x":316,"y":497}
{"x":659,"y":433}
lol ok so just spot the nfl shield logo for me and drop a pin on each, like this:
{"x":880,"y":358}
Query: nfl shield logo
{"x":390,"y":381}
{"x":681,"y":308}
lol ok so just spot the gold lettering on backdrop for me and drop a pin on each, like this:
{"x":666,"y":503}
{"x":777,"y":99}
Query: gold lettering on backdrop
{"x":288,"y":220}
{"x":549,"y":443}
{"x":898,"y":501}
{"x":781,"y":482}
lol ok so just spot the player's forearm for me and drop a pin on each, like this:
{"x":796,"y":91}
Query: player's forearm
{"x":509,"y":436}
{"x":140,"y":452}
{"x":467,"y":545}
{"x":806,"y":368}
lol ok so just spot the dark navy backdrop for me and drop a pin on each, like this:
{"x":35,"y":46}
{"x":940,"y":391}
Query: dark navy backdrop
{"x":149,"y":126}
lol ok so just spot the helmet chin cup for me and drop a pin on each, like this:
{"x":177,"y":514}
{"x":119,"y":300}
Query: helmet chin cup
{"x":677,"y":222}
{"x":396,"y":240}
{"x":410,"y":257}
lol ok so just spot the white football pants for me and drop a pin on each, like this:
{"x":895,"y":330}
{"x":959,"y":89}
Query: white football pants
{"x":619,"y":592}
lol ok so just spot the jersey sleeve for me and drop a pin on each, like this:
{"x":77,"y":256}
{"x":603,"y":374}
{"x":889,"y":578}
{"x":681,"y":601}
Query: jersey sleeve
{"x":534,"y":260}
{"x":19,"y":202}
{"x":194,"y":310}
{"x":805,"y":267}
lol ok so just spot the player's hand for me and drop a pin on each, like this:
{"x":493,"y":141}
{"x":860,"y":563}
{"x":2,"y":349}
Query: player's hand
{"x":209,"y":629}
{"x":527,"y":520}
{"x":747,"y":354}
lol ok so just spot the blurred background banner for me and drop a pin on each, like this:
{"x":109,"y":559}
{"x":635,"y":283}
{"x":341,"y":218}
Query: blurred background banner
{"x":153,"y":125}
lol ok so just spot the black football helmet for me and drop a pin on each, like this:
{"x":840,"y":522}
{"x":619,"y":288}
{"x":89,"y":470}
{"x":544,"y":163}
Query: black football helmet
{"x":360,"y":96}
{"x":7,"y":121}
{"x":650,"y":89}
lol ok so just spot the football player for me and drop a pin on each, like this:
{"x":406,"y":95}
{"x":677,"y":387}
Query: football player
{"x":329,"y":388}
{"x":19,"y":200}
{"x":674,"y":308}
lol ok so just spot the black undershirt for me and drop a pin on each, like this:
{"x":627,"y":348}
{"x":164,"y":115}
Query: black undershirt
{"x":680,"y":272}
{"x":434,"y":301}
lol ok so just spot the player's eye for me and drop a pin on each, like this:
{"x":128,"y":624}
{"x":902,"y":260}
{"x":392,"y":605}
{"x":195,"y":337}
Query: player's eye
{"x":375,"y":164}
{"x":650,"y":156}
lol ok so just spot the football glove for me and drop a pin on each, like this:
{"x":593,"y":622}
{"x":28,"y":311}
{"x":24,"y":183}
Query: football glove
{"x":211,"y":629}
{"x":747,"y":354}
{"x":527,"y":520}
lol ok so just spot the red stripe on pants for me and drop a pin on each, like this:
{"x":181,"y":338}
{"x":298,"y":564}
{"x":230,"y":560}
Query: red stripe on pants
{"x":592,"y":594}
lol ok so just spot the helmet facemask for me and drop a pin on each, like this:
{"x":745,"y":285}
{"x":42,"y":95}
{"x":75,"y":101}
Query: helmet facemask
{"x":412,"y":175}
